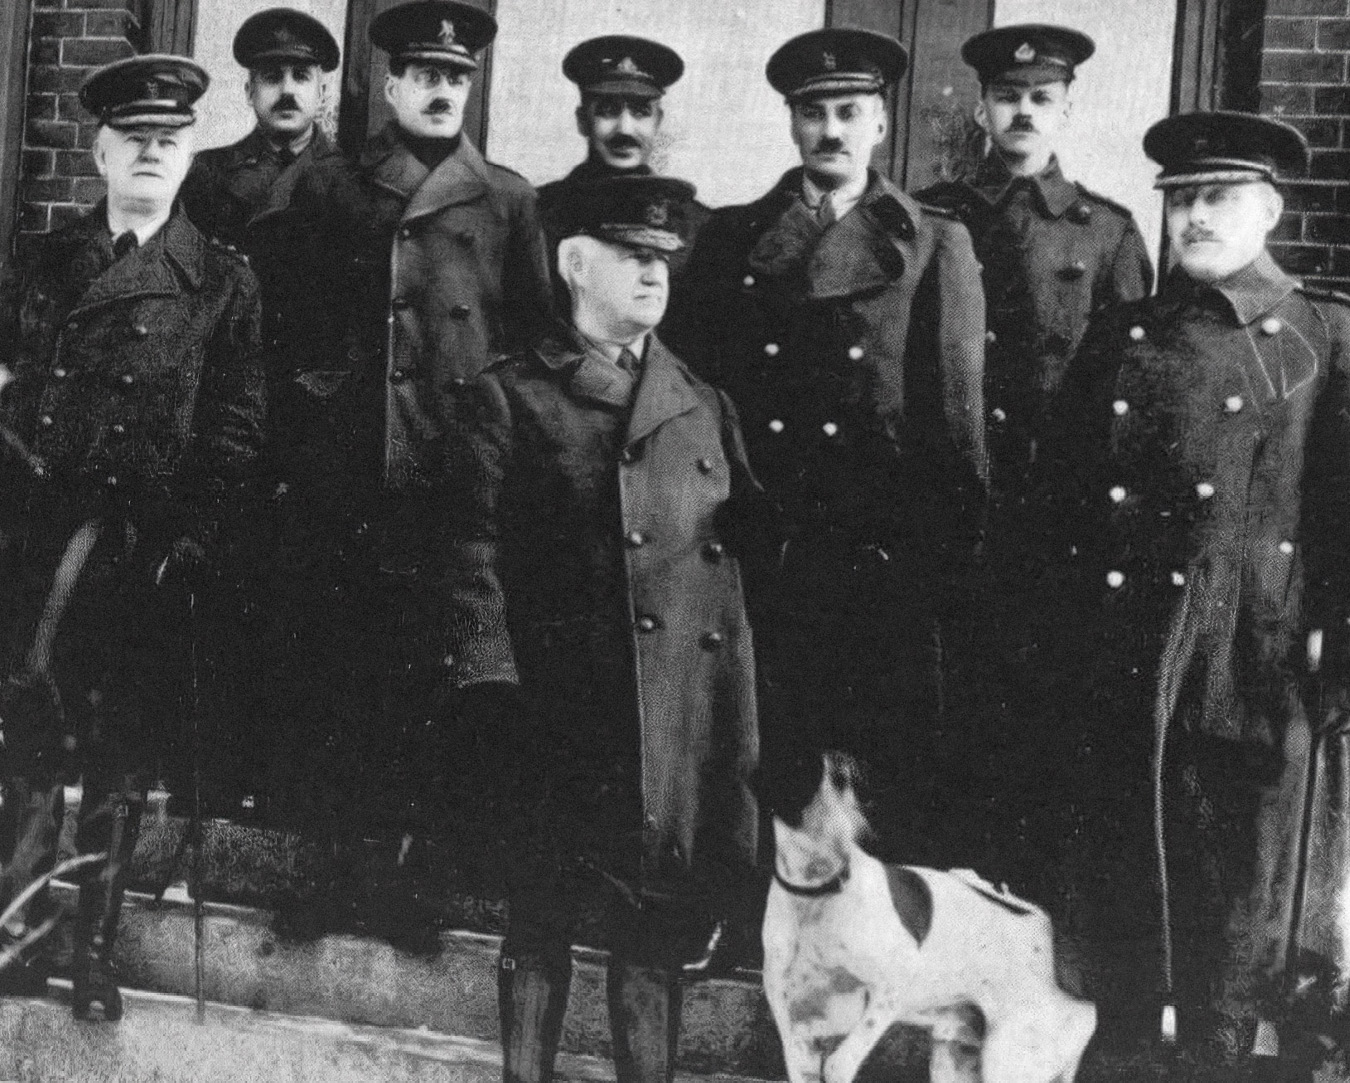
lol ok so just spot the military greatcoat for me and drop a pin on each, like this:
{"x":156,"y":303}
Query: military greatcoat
{"x":1211,"y":448}
{"x":1052,"y":253}
{"x":855,"y":358}
{"x":587,"y":564}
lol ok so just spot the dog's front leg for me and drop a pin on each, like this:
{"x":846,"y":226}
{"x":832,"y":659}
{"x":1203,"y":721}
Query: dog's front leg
{"x":803,"y":1056}
{"x":842,"y":1065}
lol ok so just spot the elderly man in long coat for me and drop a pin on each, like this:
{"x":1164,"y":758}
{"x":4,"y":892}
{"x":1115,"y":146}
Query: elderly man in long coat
{"x":134,"y":411}
{"x":599,"y":639}
{"x":1211,"y":443}
{"x":846,"y":321}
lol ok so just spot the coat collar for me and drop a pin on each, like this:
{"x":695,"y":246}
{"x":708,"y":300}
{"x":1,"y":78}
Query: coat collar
{"x":279,"y":192}
{"x":865,"y":249}
{"x":255,"y":148}
{"x":461,"y":178}
{"x":174,"y":256}
{"x":592,"y":170}
{"x":663,"y":391}
{"x":1053,"y":192}
{"x":1246,"y":296}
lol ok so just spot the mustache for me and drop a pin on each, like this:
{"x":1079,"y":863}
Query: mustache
{"x":622,"y":142}
{"x":829,"y":145}
{"x":1021,"y":124}
{"x":285,"y":102}
{"x":438,"y":106}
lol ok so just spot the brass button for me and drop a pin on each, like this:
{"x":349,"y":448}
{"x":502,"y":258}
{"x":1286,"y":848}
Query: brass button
{"x":60,"y":374}
{"x":112,"y":481}
{"x":647,"y":624}
{"x":712,"y":640}
{"x":990,"y":337}
{"x":635,"y":539}
{"x":398,"y":375}
{"x":1178,"y":579}
{"x":998,"y":414}
{"x":1204,"y":490}
{"x":776,"y":426}
{"x":1271,"y":325}
{"x":855,"y":353}
{"x":46,"y":420}
{"x":830,"y":429}
{"x":1115,"y":580}
{"x":1287,"y":548}
{"x":1117,"y":494}
{"x":140,"y":330}
{"x":770,"y":349}
{"x":128,"y":379}
{"x":1137,"y":333}
{"x":748,"y":280}
{"x":714,"y":552}
{"x":405,"y":232}
{"x":1120,"y":407}
{"x":1233,"y":403}
{"x":459,"y":312}
{"x":627,"y":456}
{"x":459,"y":381}
{"x":705,"y":466}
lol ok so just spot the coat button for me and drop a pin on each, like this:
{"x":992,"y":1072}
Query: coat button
{"x":60,"y":374}
{"x":1233,"y":403}
{"x":459,"y":381}
{"x":1204,"y":490}
{"x":990,"y":337}
{"x":128,"y":379}
{"x":459,"y":312}
{"x":1077,"y":269}
{"x":405,"y":232}
{"x":119,"y":429}
{"x":998,"y":414}
{"x":1115,"y":580}
{"x":776,"y":426}
{"x":1080,"y":212}
{"x":140,"y":330}
{"x":748,"y":280}
{"x":1120,"y":407}
{"x":855,"y":353}
{"x":1136,"y":333}
{"x":46,"y":421}
{"x":1287,"y":548}
{"x":398,"y":375}
{"x":770,"y":349}
{"x":710,"y":641}
{"x":1271,"y":325}
{"x":714,"y":551}
{"x":1178,"y":579}
{"x":647,"y":624}
{"x":627,"y":456}
{"x":705,"y":466}
{"x":1117,"y":494}
{"x":635,"y":539}
{"x":830,"y":429}
{"x":112,"y":481}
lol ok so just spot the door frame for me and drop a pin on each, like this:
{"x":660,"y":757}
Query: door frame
{"x":15,"y":24}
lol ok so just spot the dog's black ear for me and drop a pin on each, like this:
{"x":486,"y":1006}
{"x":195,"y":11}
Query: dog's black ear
{"x":786,"y":781}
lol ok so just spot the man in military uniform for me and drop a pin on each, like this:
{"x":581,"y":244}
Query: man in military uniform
{"x":431,"y":264}
{"x":133,"y":409}
{"x":847,"y":323}
{"x":598,"y":637}
{"x":1210,"y":443}
{"x":1053,"y":252}
{"x":241,"y":196}
{"x":622,"y":80}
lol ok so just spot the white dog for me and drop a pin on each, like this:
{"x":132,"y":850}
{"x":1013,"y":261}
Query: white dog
{"x":852,"y":946}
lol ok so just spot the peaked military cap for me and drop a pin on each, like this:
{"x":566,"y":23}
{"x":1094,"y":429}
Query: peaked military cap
{"x":153,"y":89}
{"x":642,"y":212}
{"x":837,"y":60}
{"x":1028,"y":53}
{"x":440,"y":31}
{"x":285,"y":34}
{"x":622,"y":64}
{"x":1219,"y":148}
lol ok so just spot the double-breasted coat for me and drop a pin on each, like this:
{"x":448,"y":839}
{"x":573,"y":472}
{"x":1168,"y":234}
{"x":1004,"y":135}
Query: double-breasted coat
{"x":1052,"y":253}
{"x":586,"y":563}
{"x":135,"y":410}
{"x":1211,"y":451}
{"x":431,"y":275}
{"x":854,"y":355}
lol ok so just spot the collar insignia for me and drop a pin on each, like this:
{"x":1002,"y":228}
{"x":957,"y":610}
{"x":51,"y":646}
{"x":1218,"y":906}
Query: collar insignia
{"x":1025,"y":53}
{"x":447,"y":34}
{"x":657,"y":215}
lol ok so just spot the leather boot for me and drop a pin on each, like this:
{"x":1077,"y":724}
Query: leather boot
{"x":93,"y":979}
{"x":531,"y":1001}
{"x":644,"y":1018}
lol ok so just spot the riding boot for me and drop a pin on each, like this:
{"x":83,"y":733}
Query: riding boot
{"x":93,"y":978}
{"x":644,"y":1018}
{"x":531,"y":1001}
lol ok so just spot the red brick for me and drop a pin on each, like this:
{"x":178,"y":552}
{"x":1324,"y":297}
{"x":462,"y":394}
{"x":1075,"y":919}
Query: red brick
{"x":110,"y":24}
{"x":63,"y":214}
{"x":1290,"y":228}
{"x":49,"y":189}
{"x":58,"y":24}
{"x":42,"y":107}
{"x":44,"y":51}
{"x":44,"y":79}
{"x":50,"y":133}
{"x":1320,"y":133}
{"x":1290,"y":33}
{"x":33,"y":217}
{"x":1303,"y":259}
{"x":1302,"y":68}
{"x":75,"y":163}
{"x":37,"y":163}
{"x":1330,"y":165}
{"x":1331,"y":101}
{"x":1287,"y":100}
{"x":1333,"y":33}
{"x":1295,"y":7}
{"x":93,"y":51}
{"x":68,"y":107}
{"x":1299,"y":198}
{"x":1327,"y":228}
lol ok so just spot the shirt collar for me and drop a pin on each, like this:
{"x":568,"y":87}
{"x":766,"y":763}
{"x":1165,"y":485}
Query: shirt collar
{"x":844,"y":198}
{"x":994,"y":181}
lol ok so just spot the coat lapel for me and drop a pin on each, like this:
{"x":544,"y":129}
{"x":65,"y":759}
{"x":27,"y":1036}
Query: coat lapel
{"x":663,"y":393}
{"x":461,"y":178}
{"x":867,"y":248}
{"x":585,"y":376}
{"x":279,"y":194}
{"x":156,"y":269}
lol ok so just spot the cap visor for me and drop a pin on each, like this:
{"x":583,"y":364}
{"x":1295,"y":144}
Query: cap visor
{"x":150,"y":120}
{"x":659,"y":240}
{"x":838,"y":84}
{"x":435,"y":56}
{"x":1214,"y":176}
{"x":627,"y":88}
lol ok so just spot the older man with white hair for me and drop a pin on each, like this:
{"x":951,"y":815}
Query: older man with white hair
{"x":598,"y":638}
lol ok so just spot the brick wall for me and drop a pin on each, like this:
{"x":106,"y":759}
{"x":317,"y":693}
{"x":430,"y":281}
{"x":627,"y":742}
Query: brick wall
{"x":69,"y":38}
{"x":1304,"y":81}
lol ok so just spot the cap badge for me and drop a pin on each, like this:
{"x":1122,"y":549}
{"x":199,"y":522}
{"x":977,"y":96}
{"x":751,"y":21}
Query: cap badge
{"x":657,"y":215}
{"x":283,"y":36}
{"x":830,"y":61}
{"x":152,"y":89}
{"x":627,"y":67}
{"x":1025,"y":53}
{"x":447,"y":34}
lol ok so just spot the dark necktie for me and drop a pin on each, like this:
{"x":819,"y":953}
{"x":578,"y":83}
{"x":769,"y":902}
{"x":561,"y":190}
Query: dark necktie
{"x":285,"y":156}
{"x":124,"y":243}
{"x":825,"y":212}
{"x":629,"y":363}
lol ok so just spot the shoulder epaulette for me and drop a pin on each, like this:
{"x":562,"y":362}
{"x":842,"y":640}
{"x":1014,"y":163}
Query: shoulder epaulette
{"x":1098,"y":198}
{"x":506,"y":169}
{"x":948,"y":213}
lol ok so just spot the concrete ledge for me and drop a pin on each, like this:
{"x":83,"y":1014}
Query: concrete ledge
{"x":356,"y":980}
{"x":160,"y":1040}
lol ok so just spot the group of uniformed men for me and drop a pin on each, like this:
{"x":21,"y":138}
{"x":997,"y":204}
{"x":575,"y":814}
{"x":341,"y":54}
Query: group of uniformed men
{"x":967,"y":467}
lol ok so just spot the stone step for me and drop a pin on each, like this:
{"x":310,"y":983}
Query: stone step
{"x":161,"y":1040}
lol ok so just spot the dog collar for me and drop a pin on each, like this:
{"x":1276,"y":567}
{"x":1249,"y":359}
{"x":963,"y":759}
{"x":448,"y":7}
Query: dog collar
{"x":832,"y":886}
